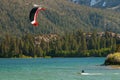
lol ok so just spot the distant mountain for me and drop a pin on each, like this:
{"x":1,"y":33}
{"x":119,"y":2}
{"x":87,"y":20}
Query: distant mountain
{"x":109,"y":4}
{"x":61,"y":16}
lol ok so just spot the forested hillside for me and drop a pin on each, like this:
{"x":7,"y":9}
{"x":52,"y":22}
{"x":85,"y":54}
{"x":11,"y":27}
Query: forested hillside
{"x":60,"y":16}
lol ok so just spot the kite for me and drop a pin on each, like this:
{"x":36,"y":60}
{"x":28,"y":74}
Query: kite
{"x":33,"y":15}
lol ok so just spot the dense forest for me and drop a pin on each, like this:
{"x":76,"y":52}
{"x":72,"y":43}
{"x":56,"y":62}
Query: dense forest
{"x":60,"y":16}
{"x":63,"y":18}
{"x":76,"y":44}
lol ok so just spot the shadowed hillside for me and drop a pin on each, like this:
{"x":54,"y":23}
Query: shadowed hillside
{"x":61,"y":16}
{"x":104,"y":4}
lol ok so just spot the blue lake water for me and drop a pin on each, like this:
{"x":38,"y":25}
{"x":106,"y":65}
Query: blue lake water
{"x":56,"y":69}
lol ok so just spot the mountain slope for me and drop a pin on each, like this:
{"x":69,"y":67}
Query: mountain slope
{"x":60,"y":17}
{"x":107,"y":4}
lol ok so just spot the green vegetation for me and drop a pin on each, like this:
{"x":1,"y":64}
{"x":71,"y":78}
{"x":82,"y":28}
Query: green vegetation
{"x":113,"y":59}
{"x":76,"y":44}
{"x":61,"y":16}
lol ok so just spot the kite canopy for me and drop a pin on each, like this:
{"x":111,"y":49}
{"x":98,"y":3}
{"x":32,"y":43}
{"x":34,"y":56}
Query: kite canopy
{"x":33,"y":15}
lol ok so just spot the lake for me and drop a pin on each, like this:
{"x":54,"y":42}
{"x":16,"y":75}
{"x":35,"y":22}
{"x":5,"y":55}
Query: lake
{"x":56,"y":69}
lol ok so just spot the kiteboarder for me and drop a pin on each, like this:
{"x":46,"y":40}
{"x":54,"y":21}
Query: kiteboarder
{"x":82,"y":71}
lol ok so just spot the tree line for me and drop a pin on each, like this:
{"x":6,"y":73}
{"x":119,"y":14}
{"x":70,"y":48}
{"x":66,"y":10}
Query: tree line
{"x":75,"y":44}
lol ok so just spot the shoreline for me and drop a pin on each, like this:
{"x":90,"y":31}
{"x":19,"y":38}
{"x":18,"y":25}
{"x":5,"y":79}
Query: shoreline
{"x":113,"y":66}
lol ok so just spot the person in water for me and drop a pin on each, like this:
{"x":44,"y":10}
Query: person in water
{"x":83,"y":71}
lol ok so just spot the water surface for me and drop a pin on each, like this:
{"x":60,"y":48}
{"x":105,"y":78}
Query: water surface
{"x":56,"y":69}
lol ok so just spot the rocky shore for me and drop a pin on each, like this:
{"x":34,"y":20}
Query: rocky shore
{"x":113,"y":59}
